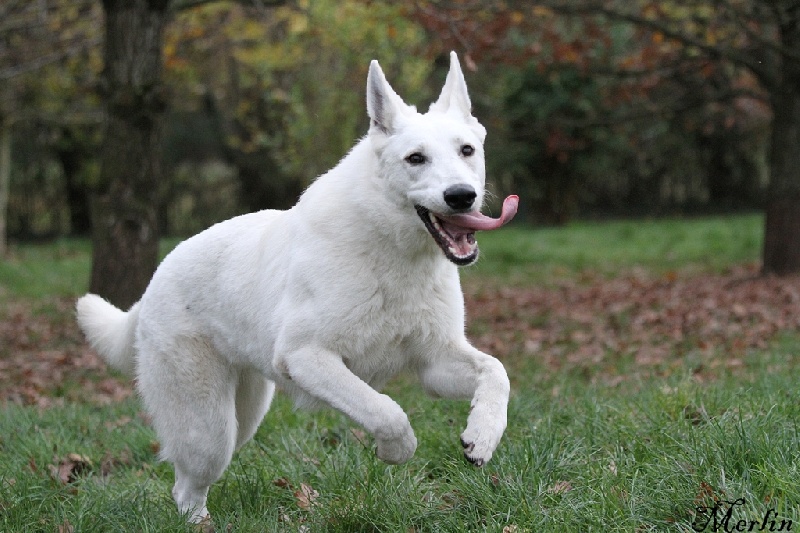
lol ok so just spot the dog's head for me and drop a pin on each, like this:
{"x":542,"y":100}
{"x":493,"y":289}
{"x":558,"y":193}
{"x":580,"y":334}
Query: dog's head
{"x":434,"y":162}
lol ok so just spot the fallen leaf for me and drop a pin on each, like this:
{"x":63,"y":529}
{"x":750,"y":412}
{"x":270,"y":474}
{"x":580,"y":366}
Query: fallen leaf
{"x":305,"y":496}
{"x":206,"y":525}
{"x":281,"y":482}
{"x":70,"y":468}
{"x":560,"y":487}
{"x":706,"y":492}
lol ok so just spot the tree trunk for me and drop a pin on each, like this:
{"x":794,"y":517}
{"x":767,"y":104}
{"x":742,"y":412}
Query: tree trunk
{"x":5,"y":180}
{"x":782,"y":227}
{"x":125,"y":231}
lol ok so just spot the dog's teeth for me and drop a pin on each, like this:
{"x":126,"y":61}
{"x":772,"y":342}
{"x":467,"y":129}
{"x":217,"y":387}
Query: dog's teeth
{"x":451,"y":245}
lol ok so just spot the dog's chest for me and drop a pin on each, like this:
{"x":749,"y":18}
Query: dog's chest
{"x":390,"y":328}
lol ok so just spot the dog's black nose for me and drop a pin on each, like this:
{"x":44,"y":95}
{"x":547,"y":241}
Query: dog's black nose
{"x":460,"y":196}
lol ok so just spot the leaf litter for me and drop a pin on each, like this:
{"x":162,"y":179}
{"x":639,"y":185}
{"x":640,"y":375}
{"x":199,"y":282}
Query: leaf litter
{"x":653,"y":321}
{"x":44,"y":360}
{"x":70,"y":468}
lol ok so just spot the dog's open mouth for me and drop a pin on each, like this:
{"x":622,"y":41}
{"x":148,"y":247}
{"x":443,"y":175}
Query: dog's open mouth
{"x":455,"y":234}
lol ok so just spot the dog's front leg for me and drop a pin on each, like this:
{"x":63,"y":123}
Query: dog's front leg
{"x":322,"y":374}
{"x":465,"y":372}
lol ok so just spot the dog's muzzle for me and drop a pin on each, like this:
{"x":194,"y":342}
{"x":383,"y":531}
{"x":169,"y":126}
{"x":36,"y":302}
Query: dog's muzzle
{"x":455,"y":234}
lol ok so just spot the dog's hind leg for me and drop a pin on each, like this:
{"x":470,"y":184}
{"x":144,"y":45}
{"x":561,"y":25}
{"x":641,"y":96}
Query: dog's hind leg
{"x":253,"y":397}
{"x":190,"y":394}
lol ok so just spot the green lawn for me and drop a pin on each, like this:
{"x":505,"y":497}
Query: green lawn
{"x":640,"y":454}
{"x":522,"y":255}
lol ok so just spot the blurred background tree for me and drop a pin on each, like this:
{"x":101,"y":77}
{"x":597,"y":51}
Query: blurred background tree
{"x":253,"y":91}
{"x":49,"y":63}
{"x":716,"y":81}
{"x":594,"y":108}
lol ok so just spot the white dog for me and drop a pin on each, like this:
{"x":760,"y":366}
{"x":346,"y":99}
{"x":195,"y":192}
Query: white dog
{"x":328,"y":300}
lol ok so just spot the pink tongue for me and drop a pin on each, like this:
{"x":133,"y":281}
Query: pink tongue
{"x":479,"y":222}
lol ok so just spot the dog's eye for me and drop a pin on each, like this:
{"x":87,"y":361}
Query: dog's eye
{"x":416,"y":159}
{"x":467,"y":150}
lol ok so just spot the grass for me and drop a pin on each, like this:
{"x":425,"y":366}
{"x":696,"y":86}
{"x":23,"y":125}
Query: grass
{"x":40,"y":271}
{"x":579,"y":455}
{"x":520,"y":255}
{"x":59,"y":269}
{"x":584,"y":458}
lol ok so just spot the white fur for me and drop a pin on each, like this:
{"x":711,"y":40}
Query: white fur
{"x":329,"y":300}
{"x":110,"y":331}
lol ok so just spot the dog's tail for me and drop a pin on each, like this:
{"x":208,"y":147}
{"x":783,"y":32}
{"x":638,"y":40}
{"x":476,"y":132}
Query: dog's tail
{"x":110,"y":331}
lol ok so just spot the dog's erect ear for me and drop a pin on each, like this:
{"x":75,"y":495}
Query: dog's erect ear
{"x":455,"y":98}
{"x":383,"y":104}
{"x":454,"y":95}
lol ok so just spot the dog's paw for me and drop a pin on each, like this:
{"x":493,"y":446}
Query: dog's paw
{"x":480,"y":441}
{"x":397,"y":443}
{"x":397,"y":451}
{"x":477,"y":455}
{"x":485,"y":426}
